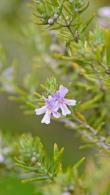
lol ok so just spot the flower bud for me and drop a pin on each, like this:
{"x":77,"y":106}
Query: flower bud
{"x":33,"y":159}
{"x":50,"y":21}
{"x":55,"y":15}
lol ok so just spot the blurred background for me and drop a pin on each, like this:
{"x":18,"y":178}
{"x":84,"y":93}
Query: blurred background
{"x":22,"y":42}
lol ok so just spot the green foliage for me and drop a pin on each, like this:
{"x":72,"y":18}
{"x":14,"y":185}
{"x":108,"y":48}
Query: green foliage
{"x":32,"y":158}
{"x":51,"y":86}
{"x":80,"y":60}
{"x":48,"y":173}
{"x":64,"y":15}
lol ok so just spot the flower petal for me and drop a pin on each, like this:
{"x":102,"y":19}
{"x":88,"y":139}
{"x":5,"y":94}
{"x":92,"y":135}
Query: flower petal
{"x":63,"y":91}
{"x":41,"y":110}
{"x":50,"y":98}
{"x":56,"y":114}
{"x":65,"y":109}
{"x":70,"y":102}
{"x":52,"y":104}
{"x":46,"y":118}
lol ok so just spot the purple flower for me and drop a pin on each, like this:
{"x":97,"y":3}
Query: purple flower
{"x":50,"y":108}
{"x":54,"y":103}
{"x":63,"y":102}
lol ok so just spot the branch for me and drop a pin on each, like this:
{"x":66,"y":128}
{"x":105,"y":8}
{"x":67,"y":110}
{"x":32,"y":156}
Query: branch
{"x":92,"y":135}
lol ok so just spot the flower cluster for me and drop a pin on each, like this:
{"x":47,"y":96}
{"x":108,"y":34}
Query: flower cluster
{"x":54,"y":103}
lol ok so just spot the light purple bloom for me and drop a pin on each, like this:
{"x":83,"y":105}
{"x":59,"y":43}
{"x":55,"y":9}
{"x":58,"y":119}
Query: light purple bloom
{"x":54,"y":103}
{"x":104,"y":12}
{"x":50,"y":108}
{"x":59,"y":96}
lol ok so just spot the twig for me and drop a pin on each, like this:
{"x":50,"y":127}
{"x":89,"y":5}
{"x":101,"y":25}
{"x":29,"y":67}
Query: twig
{"x":91,"y":135}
